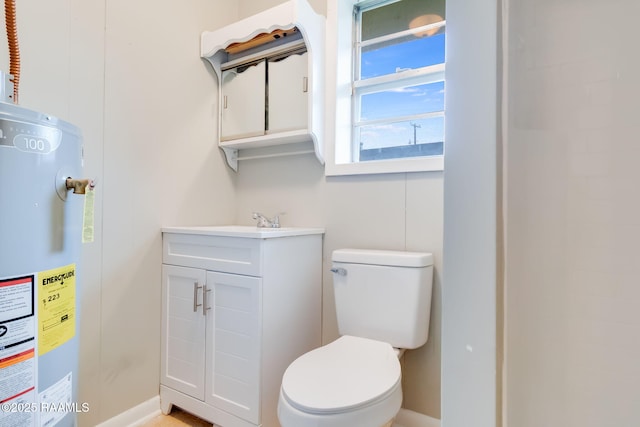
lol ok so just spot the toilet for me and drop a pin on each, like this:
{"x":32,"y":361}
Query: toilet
{"x":383,"y":304}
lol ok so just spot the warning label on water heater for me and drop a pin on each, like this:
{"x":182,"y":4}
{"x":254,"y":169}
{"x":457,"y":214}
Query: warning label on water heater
{"x":56,"y":307}
{"x":17,"y":350}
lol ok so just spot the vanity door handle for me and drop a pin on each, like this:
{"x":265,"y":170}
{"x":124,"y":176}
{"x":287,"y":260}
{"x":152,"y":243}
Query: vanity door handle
{"x":305,"y":84}
{"x":204,"y":300}
{"x":195,"y":296}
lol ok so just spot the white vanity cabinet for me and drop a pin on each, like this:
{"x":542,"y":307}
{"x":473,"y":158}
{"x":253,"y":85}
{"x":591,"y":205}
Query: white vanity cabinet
{"x":239,"y":304}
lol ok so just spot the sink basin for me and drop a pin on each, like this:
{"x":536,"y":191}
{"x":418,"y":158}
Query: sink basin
{"x":247,"y":231}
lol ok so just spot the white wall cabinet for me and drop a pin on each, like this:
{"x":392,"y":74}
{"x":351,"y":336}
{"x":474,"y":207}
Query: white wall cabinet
{"x":239,"y":304}
{"x":294,"y":106}
{"x":265,"y":97}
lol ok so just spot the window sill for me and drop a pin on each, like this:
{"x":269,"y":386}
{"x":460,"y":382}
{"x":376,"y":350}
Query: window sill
{"x":424,"y":164}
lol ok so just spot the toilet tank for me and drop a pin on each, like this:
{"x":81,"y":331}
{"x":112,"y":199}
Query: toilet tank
{"x":383,"y":295}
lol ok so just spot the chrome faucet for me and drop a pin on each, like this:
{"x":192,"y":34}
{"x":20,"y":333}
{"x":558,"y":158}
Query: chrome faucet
{"x":264,"y":222}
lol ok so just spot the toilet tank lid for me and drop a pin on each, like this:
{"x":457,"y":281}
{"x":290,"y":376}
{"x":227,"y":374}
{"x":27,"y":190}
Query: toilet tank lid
{"x":379,"y":257}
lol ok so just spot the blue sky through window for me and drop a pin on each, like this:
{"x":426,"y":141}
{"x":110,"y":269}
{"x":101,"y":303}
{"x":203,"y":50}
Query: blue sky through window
{"x":387,"y":59}
{"x":404,"y":101}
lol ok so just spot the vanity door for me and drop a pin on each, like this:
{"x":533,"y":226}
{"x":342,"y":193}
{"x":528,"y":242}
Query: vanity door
{"x":233,"y":351}
{"x":183,"y":330}
{"x":243,"y":101}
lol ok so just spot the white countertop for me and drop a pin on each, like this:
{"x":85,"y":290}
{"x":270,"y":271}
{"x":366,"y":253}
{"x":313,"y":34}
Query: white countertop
{"x":246,"y":231}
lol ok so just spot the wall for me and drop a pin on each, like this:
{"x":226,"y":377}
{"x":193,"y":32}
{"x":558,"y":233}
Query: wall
{"x":394,"y":211}
{"x":573,"y":214}
{"x":129,"y":75}
{"x":161,"y":168}
{"x":471,"y":209}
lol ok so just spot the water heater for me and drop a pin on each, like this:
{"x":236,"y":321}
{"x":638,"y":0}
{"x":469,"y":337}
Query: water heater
{"x":40,"y":236}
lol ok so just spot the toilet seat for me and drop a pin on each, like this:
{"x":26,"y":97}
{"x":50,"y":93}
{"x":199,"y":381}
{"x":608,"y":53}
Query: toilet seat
{"x":342,"y":376}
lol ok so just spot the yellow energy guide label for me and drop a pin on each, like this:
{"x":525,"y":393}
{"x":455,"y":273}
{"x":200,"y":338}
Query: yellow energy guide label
{"x":56,"y":307}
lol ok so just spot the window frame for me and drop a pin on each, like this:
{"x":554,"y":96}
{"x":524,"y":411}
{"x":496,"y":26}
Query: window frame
{"x":341,"y":100}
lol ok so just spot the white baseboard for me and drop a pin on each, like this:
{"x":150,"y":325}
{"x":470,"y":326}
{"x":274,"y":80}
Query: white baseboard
{"x":407,"y":418}
{"x":136,"y":416}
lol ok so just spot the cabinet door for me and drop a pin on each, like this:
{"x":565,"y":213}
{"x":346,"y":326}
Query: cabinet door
{"x":243,"y":101}
{"x":183,"y":330}
{"x":233,"y":344}
{"x":288,"y":93}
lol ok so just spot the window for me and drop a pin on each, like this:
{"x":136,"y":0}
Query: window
{"x":396,"y":86}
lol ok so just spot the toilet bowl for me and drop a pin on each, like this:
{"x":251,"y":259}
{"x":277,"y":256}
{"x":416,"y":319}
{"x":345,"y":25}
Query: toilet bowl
{"x":350,"y":382}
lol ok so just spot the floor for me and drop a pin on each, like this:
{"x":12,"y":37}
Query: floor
{"x":177,"y":418}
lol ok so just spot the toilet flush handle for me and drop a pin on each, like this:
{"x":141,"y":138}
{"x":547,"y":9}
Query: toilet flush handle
{"x":339,"y":271}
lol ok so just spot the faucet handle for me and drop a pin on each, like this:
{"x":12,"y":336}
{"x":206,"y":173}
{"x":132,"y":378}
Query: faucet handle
{"x":263,"y":221}
{"x":276,"y":220}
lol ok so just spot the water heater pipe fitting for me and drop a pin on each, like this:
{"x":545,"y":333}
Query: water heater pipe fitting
{"x":79,"y":186}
